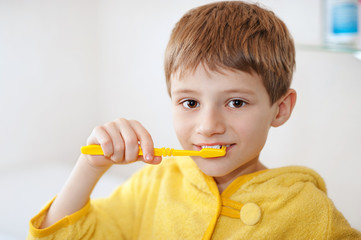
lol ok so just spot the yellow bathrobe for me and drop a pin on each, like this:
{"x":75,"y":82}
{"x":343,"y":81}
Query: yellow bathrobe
{"x":175,"y":200}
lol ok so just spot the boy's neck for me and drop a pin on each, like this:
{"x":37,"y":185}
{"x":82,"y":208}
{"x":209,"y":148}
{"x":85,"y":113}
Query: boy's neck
{"x":250,"y":167}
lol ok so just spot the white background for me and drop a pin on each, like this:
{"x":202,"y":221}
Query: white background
{"x":67,"y":66}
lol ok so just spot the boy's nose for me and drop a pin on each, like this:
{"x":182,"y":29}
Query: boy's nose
{"x":210,"y":123}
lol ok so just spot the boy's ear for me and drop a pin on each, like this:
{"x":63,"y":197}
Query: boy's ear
{"x":285,"y":107}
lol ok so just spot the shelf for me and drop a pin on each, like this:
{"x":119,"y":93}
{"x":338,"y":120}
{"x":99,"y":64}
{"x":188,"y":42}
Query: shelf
{"x":325,"y":48}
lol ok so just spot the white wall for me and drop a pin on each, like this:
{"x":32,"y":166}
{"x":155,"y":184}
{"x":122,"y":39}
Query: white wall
{"x":67,"y":66}
{"x":48,"y":101}
{"x":48,"y":79}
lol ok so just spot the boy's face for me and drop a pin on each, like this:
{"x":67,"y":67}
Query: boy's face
{"x":230,"y":108}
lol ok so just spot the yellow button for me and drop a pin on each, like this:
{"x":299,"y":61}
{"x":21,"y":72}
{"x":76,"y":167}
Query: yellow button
{"x":250,"y":214}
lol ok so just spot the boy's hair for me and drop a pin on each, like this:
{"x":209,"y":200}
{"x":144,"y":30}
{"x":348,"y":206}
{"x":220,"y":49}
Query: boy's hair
{"x":233,"y":35}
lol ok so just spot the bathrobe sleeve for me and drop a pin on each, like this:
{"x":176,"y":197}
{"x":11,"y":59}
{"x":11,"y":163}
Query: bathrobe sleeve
{"x":108,"y":218}
{"x":338,"y":226}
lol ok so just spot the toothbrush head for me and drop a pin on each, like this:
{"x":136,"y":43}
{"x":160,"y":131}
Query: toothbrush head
{"x":211,"y":152}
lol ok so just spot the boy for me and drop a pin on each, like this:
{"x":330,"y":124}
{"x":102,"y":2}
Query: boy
{"x":228,"y":68}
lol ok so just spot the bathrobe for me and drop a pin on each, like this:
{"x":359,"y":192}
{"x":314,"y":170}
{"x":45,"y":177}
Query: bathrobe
{"x":175,"y":200}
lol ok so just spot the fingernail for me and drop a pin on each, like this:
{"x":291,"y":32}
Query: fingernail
{"x":157,"y":160}
{"x":149,"y":157}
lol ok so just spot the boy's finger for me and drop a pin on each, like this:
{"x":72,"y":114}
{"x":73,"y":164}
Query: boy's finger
{"x":146,"y":141}
{"x":157,"y":160}
{"x":117,"y":140}
{"x":100,"y":136}
{"x":130,"y":140}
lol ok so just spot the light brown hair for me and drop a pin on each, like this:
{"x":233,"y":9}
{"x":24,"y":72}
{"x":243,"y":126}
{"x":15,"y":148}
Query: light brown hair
{"x":233,"y":35}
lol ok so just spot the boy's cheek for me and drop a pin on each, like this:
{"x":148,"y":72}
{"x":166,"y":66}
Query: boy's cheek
{"x":180,"y":118}
{"x":183,"y":128}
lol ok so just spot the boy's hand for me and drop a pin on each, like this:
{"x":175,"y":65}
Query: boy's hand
{"x":120,"y":140}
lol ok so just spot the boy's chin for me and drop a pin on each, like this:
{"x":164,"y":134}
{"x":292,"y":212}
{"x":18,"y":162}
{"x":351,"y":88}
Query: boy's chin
{"x":210,"y":167}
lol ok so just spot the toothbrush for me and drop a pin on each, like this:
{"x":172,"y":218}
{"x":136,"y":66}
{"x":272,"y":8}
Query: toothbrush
{"x":204,"y":153}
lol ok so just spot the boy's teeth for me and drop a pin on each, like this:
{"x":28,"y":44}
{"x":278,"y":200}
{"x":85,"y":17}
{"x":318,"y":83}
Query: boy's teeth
{"x":215,"y":146}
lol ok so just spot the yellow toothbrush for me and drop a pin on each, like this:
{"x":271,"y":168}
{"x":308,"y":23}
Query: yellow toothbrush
{"x":204,"y":153}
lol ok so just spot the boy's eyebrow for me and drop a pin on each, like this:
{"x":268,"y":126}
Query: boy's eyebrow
{"x":183,"y":91}
{"x":244,"y":91}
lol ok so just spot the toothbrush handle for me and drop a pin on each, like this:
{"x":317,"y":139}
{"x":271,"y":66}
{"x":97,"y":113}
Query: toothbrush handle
{"x":92,"y":150}
{"x":97,"y":150}
{"x":165,"y":152}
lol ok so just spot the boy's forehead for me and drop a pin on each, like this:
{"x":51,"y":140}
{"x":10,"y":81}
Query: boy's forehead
{"x":209,"y":70}
{"x":204,"y":69}
{"x":224,"y":79}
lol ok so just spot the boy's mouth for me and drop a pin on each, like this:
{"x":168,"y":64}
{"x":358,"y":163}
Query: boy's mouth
{"x":216,"y":146}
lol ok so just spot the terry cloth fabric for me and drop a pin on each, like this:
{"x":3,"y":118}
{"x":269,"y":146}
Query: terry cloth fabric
{"x":175,"y":200}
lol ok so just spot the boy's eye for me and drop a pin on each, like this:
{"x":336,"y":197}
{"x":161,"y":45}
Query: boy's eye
{"x":190,"y":104}
{"x":236,"y":103}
